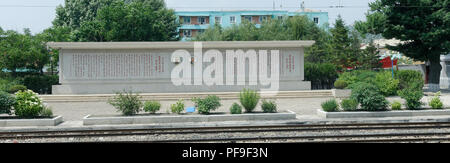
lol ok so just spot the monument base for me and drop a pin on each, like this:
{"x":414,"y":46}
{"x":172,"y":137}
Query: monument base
{"x":103,"y":88}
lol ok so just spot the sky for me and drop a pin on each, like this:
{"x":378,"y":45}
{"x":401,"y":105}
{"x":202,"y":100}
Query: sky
{"x":39,"y":14}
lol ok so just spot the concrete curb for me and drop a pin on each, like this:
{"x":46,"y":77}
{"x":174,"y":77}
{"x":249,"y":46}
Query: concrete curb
{"x":31,"y":122}
{"x":405,"y":113}
{"x":96,"y":120}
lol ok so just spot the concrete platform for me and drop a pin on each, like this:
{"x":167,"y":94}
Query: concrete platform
{"x":31,"y":122}
{"x":171,"y":118}
{"x":186,"y":96}
{"x":365,"y":114}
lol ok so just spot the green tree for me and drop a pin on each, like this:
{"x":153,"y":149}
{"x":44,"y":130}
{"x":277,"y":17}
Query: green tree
{"x":422,"y":25}
{"x":20,"y":51}
{"x":133,"y":21}
{"x":341,"y":45}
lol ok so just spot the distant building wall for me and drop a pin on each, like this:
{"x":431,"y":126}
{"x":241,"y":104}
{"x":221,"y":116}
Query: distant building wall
{"x":230,"y":18}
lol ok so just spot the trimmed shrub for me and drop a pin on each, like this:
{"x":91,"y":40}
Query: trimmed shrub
{"x":28,"y":104}
{"x":15,"y":88}
{"x":369,"y":97}
{"x":436,"y":102}
{"x":349,"y":104}
{"x":269,"y":106}
{"x":235,"y":109}
{"x":412,"y":97}
{"x":41,"y":83}
{"x":409,"y":78}
{"x":249,"y":99}
{"x":386,"y":83}
{"x":6,"y":102}
{"x":396,"y":105}
{"x":152,"y":106}
{"x":330,"y":105}
{"x":356,"y":76}
{"x":208,"y":104}
{"x":177,"y":107}
{"x":126,"y":102}
{"x":340,"y":84}
{"x":321,"y":75}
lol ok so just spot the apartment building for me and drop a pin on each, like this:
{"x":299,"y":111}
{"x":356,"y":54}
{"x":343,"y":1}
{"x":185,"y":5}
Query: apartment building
{"x":195,"y":22}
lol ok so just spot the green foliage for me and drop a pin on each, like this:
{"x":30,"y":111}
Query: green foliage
{"x":41,"y":83}
{"x":152,"y":106}
{"x":129,"y":21}
{"x":412,"y":97}
{"x":22,"y":51}
{"x":208,"y":104}
{"x":177,"y":107}
{"x":436,"y":102}
{"x":126,"y":102}
{"x":269,"y":106}
{"x":330,"y":105}
{"x":46,"y":112}
{"x":249,"y":99}
{"x":340,"y":84}
{"x":236,"y":109}
{"x":368,"y":59}
{"x":7,"y":82}
{"x":396,"y":105}
{"x":6,"y":102}
{"x":15,"y":88}
{"x":28,"y":104}
{"x":388,"y":86}
{"x":355,"y":76}
{"x":410,"y":78}
{"x":349,"y":104}
{"x":321,"y":75}
{"x":369,"y":96}
{"x":424,"y":30}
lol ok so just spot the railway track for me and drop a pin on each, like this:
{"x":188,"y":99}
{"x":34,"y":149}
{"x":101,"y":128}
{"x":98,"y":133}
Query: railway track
{"x":347,"y":133}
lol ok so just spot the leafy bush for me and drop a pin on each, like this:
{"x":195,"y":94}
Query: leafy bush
{"x":340,"y":84}
{"x":41,"y":83}
{"x":28,"y":104}
{"x":7,"y":82}
{"x":330,"y":106}
{"x":436,"y":102}
{"x":249,"y":99}
{"x":15,"y":88}
{"x":388,"y":86}
{"x":6,"y":102}
{"x":126,"y":102}
{"x":396,"y":105}
{"x":369,"y":97}
{"x":208,"y":104}
{"x":349,"y":104}
{"x":321,"y":75}
{"x":46,"y":112}
{"x":412,"y":97}
{"x":236,"y":109}
{"x":356,"y":76}
{"x":177,"y":107}
{"x":269,"y":106}
{"x":409,"y":78}
{"x":152,"y":106}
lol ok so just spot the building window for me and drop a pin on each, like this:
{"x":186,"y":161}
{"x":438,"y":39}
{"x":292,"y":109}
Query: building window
{"x":218,"y":20}
{"x":186,"y":20}
{"x":232,"y":19}
{"x":316,"y":20}
{"x":248,"y":18}
{"x":262,"y":18}
{"x":280,"y":17}
{"x":187,"y":33}
{"x":202,"y":20}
